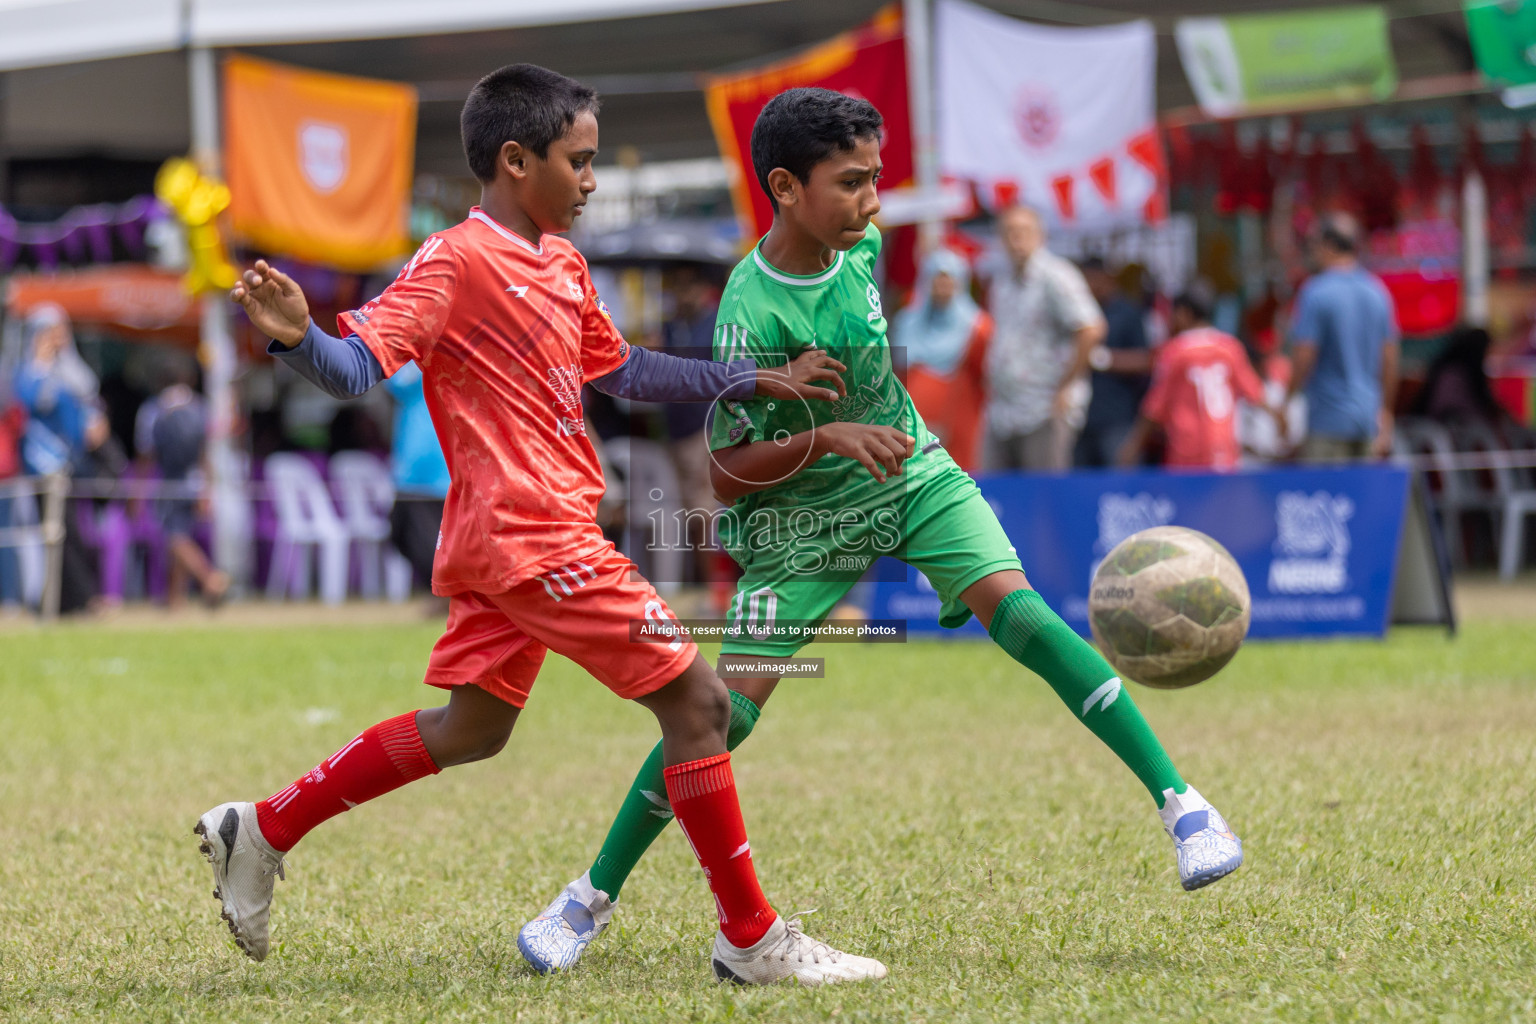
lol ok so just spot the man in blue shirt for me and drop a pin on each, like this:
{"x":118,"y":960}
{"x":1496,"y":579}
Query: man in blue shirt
{"x":1122,"y":369}
{"x":1344,"y":350}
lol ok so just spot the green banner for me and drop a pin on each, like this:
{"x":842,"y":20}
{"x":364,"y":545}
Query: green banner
{"x":1503,"y":38}
{"x":1293,"y":60}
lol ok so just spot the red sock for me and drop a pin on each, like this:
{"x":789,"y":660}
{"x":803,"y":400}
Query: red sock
{"x":703,"y":795}
{"x":383,"y":757}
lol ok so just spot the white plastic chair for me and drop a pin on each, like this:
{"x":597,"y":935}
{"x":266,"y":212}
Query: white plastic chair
{"x":1453,"y":491}
{"x":1518,"y":507}
{"x":653,"y":511}
{"x":306,"y":520}
{"x":364,"y":493}
{"x":1512,"y":494}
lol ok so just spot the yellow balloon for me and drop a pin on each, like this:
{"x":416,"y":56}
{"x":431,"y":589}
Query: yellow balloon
{"x":175,"y":180}
{"x":197,"y":202}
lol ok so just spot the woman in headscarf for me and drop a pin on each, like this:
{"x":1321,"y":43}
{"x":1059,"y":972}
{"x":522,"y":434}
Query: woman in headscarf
{"x":65,"y":426}
{"x":1456,"y":387}
{"x":944,"y":335}
{"x":59,"y":392}
{"x":13,"y":420}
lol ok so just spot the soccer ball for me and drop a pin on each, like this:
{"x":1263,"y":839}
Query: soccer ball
{"x":1168,"y":607}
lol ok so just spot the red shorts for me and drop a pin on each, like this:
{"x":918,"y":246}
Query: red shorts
{"x":583,"y":611}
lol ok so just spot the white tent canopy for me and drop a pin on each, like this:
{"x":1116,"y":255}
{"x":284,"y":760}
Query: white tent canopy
{"x":59,"y":97}
{"x":38,"y":33}
{"x":242,"y":23}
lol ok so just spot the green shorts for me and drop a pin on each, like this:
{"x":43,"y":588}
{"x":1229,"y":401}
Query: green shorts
{"x":943,"y":527}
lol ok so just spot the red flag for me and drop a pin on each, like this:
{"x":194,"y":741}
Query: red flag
{"x":1102,"y":174}
{"x":1147,"y":150}
{"x":1062,"y":187}
{"x":869,"y":62}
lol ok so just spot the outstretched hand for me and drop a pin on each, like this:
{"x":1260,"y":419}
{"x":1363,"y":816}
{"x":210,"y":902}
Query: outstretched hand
{"x":799,"y":378}
{"x":274,"y":303}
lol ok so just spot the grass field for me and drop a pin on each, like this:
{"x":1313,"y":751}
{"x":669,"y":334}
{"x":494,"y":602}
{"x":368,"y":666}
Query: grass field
{"x":940,"y":807}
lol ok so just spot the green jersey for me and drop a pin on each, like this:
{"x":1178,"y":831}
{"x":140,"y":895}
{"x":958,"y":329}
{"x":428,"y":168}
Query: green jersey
{"x":803,"y":542}
{"x":772,"y":317}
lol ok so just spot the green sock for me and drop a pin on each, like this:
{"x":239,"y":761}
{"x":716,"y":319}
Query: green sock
{"x":1036,"y":638}
{"x":646,"y":811}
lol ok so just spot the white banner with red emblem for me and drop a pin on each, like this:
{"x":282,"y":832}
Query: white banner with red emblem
{"x":1063,"y":119}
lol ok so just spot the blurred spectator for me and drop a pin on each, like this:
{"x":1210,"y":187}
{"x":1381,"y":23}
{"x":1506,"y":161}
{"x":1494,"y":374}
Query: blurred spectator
{"x":1456,"y":388}
{"x":1197,"y":378}
{"x":690,"y":333}
{"x":1046,"y":324}
{"x":420,"y":472}
{"x":170,"y":435}
{"x":354,"y":428}
{"x":1120,"y":369}
{"x":943,"y":335}
{"x":65,"y":426}
{"x":267,"y":437}
{"x":13,"y":421}
{"x":1262,"y":433}
{"x":1344,"y":347}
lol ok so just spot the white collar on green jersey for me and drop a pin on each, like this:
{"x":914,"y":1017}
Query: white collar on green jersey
{"x":797,"y":280}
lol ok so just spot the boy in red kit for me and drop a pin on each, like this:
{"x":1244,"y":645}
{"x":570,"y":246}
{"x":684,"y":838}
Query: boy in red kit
{"x":502,"y":318}
{"x":1197,"y":377}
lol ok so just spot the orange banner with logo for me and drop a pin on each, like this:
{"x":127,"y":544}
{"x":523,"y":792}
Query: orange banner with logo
{"x":319,"y":166}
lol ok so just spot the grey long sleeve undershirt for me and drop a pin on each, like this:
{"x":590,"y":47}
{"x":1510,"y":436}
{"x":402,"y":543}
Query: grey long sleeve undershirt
{"x":345,"y":368}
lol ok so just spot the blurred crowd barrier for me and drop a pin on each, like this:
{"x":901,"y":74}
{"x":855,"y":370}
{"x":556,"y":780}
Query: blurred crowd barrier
{"x":320,"y":527}
{"x":1483,"y":493}
{"x":316,"y":526}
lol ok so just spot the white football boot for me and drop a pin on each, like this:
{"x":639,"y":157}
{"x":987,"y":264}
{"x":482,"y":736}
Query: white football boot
{"x":555,"y":940}
{"x":1206,"y":846}
{"x":785,"y":953}
{"x":243,"y":866}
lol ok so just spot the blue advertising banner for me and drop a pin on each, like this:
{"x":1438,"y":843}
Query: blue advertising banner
{"x":1319,"y":545}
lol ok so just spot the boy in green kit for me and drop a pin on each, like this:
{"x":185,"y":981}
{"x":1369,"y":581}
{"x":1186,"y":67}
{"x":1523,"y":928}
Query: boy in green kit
{"x":819,"y":493}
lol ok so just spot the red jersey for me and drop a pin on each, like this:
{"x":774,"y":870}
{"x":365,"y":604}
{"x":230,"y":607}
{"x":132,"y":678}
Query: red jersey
{"x":1197,"y":378}
{"x":505,"y":333}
